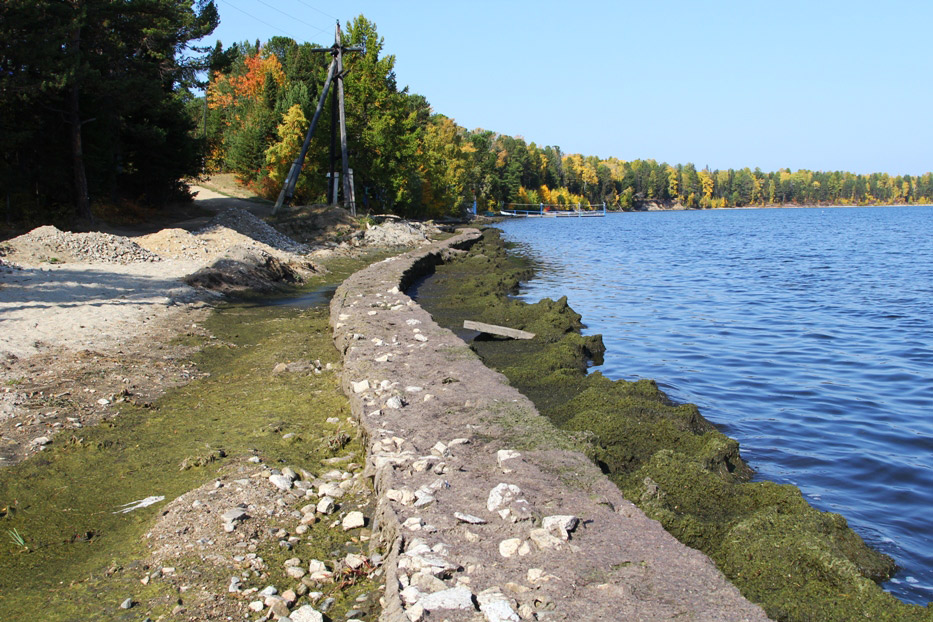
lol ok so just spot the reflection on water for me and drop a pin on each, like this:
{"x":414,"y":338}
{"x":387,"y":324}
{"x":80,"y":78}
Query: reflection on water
{"x":806,"y":334}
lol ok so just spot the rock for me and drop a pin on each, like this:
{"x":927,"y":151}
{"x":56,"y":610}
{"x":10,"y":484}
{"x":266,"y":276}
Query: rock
{"x":281,"y":482}
{"x":410,"y":595}
{"x":415,"y":613}
{"x":269,"y":590}
{"x":257,"y":606}
{"x":504,"y":455}
{"x":359,"y":387}
{"x":289,"y":596}
{"x":354,"y":561}
{"x":294,"y":572}
{"x":127,"y":604}
{"x":503,"y":496}
{"x":326,"y":505}
{"x":41,"y":441}
{"x":403,"y":496}
{"x":543,"y":539}
{"x":560,"y":525}
{"x":290,"y":473}
{"x":316,"y":565}
{"x":496,"y":607}
{"x":279,"y":607}
{"x":353,"y":520}
{"x":427,"y":582}
{"x":394,"y":402}
{"x":420,"y":337}
{"x":469,"y":518}
{"x":509,"y":547}
{"x":413,"y":524}
{"x":306,"y":613}
{"x":234,"y":516}
{"x":452,"y":598}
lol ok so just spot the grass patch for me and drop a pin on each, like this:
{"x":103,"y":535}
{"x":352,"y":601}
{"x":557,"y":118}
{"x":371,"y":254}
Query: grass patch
{"x":63,"y":499}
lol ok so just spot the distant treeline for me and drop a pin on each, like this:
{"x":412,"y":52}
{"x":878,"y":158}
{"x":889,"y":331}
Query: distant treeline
{"x":96,"y":108}
{"x":409,"y":160}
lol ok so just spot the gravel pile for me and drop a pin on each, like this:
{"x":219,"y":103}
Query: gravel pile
{"x":245,"y":223}
{"x":177,"y":244}
{"x":397,"y":234}
{"x":94,"y":247}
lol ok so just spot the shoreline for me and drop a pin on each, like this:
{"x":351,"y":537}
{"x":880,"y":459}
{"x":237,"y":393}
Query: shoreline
{"x":479,"y":497}
{"x":567,"y":409}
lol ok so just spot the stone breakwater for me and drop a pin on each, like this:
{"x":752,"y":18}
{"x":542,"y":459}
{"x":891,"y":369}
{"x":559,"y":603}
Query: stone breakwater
{"x":484,"y":510}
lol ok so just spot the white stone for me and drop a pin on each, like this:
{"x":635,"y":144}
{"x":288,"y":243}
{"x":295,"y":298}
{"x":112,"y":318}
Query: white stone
{"x":257,"y":606}
{"x":402,"y":495}
{"x":410,"y":595}
{"x":295,"y":572}
{"x":385,"y":358}
{"x":453,"y":598}
{"x":415,"y":613}
{"x":280,"y":481}
{"x":394,"y":402}
{"x":560,"y":525}
{"x":469,"y":518}
{"x":504,"y":455}
{"x":501,"y":496}
{"x":326,"y":505}
{"x":413,"y":524}
{"x":496,"y":607}
{"x":420,"y":337}
{"x":354,"y":561}
{"x":353,"y":520}
{"x":306,"y":613}
{"x":412,"y":322}
{"x":543,"y":539}
{"x":359,"y":387}
{"x":509,"y":547}
{"x":316,"y":565}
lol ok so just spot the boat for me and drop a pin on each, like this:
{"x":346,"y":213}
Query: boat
{"x":545,"y":211}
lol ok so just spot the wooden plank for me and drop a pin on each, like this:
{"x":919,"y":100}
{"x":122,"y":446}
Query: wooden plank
{"x":502,"y":331}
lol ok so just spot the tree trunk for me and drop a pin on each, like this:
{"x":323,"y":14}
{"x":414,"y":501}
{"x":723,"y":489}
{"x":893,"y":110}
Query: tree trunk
{"x":82,"y":201}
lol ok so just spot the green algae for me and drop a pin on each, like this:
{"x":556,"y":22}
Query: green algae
{"x":799,"y":563}
{"x":83,"y":558}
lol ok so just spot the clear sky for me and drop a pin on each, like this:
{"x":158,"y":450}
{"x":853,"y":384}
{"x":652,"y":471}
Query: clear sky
{"x":821,"y":85}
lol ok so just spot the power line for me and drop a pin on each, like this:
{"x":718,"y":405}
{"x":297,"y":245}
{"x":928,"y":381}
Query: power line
{"x":290,"y":16}
{"x":233,"y":6}
{"x":318,"y":10}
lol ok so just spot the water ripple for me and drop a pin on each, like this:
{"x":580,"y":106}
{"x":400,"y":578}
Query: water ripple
{"x":805,"y":334}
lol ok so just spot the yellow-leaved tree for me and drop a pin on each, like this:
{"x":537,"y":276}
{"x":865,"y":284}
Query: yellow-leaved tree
{"x":281,"y":154}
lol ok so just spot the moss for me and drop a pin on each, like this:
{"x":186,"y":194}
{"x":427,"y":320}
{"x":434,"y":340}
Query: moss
{"x":799,"y":563}
{"x":63,"y":499}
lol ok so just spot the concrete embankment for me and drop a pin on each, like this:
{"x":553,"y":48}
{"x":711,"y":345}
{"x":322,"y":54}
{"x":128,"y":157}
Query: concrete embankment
{"x":481,"y":504}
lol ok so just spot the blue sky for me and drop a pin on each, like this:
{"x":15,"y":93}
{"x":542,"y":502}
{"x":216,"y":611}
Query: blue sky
{"x":821,"y":85}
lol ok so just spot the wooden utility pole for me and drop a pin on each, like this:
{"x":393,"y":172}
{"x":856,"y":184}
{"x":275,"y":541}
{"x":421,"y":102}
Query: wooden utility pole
{"x":334,"y":73}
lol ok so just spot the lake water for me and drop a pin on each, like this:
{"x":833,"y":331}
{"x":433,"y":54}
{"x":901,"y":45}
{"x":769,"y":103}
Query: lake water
{"x":806,"y":334}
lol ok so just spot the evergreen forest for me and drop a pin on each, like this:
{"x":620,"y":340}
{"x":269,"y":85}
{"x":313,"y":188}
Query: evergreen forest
{"x":107,"y":106}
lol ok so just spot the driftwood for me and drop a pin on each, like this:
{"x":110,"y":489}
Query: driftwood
{"x":502,"y":331}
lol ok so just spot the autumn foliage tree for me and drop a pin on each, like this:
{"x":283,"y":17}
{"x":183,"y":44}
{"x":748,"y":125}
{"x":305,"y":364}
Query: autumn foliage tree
{"x":412,"y":160}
